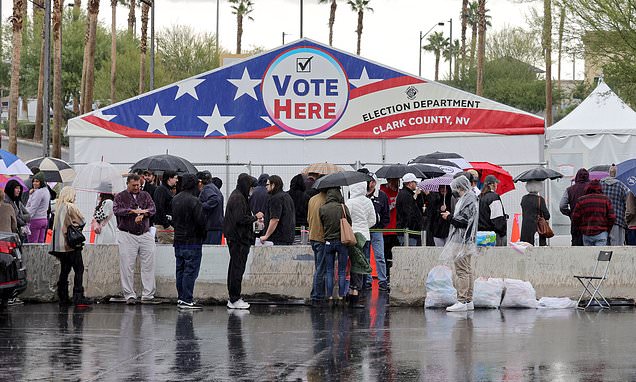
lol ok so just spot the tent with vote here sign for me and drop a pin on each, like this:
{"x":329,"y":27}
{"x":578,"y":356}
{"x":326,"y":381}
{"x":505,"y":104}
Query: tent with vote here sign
{"x":306,"y":102}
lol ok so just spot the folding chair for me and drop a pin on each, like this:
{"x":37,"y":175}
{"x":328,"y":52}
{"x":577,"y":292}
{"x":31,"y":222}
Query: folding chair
{"x":590,"y":286}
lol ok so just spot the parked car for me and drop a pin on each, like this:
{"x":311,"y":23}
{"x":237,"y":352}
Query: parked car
{"x":13,"y":279}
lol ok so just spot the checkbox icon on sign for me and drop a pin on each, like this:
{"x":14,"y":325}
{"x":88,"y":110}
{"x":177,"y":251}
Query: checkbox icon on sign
{"x":303,"y":65}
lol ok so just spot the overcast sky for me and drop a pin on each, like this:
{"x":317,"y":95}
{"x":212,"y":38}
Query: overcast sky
{"x":390,"y":34}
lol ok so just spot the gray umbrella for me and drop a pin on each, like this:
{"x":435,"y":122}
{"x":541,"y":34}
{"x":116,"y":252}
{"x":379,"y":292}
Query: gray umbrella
{"x":339,"y":179}
{"x":539,"y":173}
{"x":398,"y":170}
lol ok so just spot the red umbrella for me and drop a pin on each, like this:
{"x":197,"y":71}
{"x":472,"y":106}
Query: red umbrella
{"x":505,"y":179}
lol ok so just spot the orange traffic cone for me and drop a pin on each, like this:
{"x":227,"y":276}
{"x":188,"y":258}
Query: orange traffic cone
{"x":516,"y":232}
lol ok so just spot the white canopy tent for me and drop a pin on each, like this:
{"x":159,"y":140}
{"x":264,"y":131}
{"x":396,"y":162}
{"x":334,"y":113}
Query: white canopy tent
{"x":601,"y":130}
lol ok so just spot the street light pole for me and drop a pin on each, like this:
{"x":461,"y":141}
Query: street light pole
{"x":301,"y":18}
{"x":46,"y":115}
{"x":450,"y":51}
{"x":285,"y":34}
{"x":422,"y":35}
{"x":217,"y":32}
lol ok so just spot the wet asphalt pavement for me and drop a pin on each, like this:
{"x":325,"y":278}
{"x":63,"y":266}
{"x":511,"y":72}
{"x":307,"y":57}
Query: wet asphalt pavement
{"x":115,"y":342}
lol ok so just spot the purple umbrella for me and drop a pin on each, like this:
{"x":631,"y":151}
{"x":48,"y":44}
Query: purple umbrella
{"x":4,"y":180}
{"x":598,"y":175}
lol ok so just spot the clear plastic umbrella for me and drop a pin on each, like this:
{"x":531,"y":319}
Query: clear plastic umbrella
{"x":100,"y":177}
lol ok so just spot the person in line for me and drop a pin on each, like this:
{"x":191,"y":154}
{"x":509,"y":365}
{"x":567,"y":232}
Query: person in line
{"x":533,"y":205}
{"x":440,"y":202}
{"x":38,"y":207}
{"x":381,"y":205}
{"x":13,"y":196}
{"x":330,"y":214}
{"x":391,"y":189}
{"x":474,"y":180}
{"x":630,"y":219}
{"x":409,"y":213}
{"x":317,"y":242}
{"x":104,"y":216}
{"x":238,"y":228}
{"x":189,"y":231}
{"x":363,"y":217}
{"x":144,"y":183}
{"x":217,"y":182}
{"x":149,"y":180}
{"x":8,"y":221}
{"x":570,"y":198}
{"x":297,"y":192}
{"x":280,"y":214}
{"x":260,"y":196}
{"x":594,"y":215}
{"x":163,"y":198}
{"x":212,"y":201}
{"x":67,"y":214}
{"x":492,"y":216}
{"x":617,"y":193}
{"x":133,"y":209}
{"x":461,"y":241}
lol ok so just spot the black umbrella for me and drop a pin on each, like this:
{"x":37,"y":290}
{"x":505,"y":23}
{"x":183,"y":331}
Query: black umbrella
{"x":428,"y":170}
{"x":433,"y":161}
{"x":165,"y":162}
{"x":339,"y":179}
{"x":539,"y":173}
{"x":398,"y":170}
{"x":442,"y":155}
{"x":599,"y":167}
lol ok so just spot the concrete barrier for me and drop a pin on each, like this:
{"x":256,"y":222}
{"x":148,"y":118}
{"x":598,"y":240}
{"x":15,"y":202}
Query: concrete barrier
{"x":287,"y":272}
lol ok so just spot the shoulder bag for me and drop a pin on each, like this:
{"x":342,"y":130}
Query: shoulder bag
{"x":543,"y":228}
{"x":347,"y":237}
{"x":74,"y":236}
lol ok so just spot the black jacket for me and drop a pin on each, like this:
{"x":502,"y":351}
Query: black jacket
{"x":212,"y":200}
{"x":259,"y":198}
{"x":331,"y":213}
{"x":497,"y":224}
{"x":149,"y":188}
{"x":238,"y":222}
{"x":381,"y":205}
{"x":409,"y":213}
{"x":300,"y":198}
{"x":188,"y":219}
{"x":163,"y":198}
{"x":439,"y":227}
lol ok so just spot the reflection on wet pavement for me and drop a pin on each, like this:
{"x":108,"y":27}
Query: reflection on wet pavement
{"x":292,"y":343}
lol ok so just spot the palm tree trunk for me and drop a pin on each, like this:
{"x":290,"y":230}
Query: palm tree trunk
{"x":332,"y":20}
{"x":77,"y":7}
{"x":473,"y":46}
{"x":464,"y":18}
{"x":58,"y":7}
{"x":93,"y":10}
{"x":436,"y":65}
{"x":561,"y":26}
{"x":16,"y":21}
{"x":143,"y":47}
{"x":84,"y":65}
{"x":547,"y":41}
{"x":113,"y":49}
{"x":239,"y":32}
{"x":481,"y":49}
{"x":132,"y":19}
{"x":38,"y":32}
{"x":359,"y":30}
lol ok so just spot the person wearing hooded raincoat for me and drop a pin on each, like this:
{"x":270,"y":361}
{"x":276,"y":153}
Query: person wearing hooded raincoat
{"x":330,"y":214}
{"x":13,"y":196}
{"x":363,"y":217}
{"x":461,"y":245}
{"x":570,"y":198}
{"x":238,"y":228}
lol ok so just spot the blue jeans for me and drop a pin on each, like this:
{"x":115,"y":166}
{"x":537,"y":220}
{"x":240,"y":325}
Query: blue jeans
{"x":377,"y":242}
{"x":595,"y":240}
{"x":318,"y":290}
{"x":331,"y":248}
{"x":412,"y":240}
{"x":188,"y":258}
{"x":213,"y":237}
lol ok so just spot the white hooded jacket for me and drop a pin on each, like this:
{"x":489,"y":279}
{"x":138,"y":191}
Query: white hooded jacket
{"x":361,"y":208}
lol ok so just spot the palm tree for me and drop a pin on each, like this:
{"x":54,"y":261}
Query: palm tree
{"x":58,"y":8}
{"x":113,"y":48}
{"x":481,"y":47}
{"x":77,"y":6}
{"x":360,"y":6}
{"x":132,"y":18}
{"x":332,"y":17}
{"x":473,"y":21}
{"x":464,"y":18}
{"x":241,"y":8}
{"x":560,"y":44}
{"x":89,"y":56}
{"x":436,"y":44}
{"x":450,"y":52}
{"x":38,"y":32}
{"x":16,"y":20}
{"x":547,"y":46}
{"x":143,"y":46}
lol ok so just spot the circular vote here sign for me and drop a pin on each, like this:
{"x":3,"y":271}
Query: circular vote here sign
{"x":305,"y":91}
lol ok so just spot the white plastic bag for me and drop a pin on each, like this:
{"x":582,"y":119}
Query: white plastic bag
{"x":440,"y":291}
{"x":487,"y":292}
{"x":556,"y":303}
{"x":519,"y":294}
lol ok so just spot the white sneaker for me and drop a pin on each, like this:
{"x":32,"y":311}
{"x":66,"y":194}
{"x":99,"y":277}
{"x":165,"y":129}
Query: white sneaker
{"x":458,"y":307}
{"x":230,"y":305}
{"x":470,"y":306}
{"x":240,"y":304}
